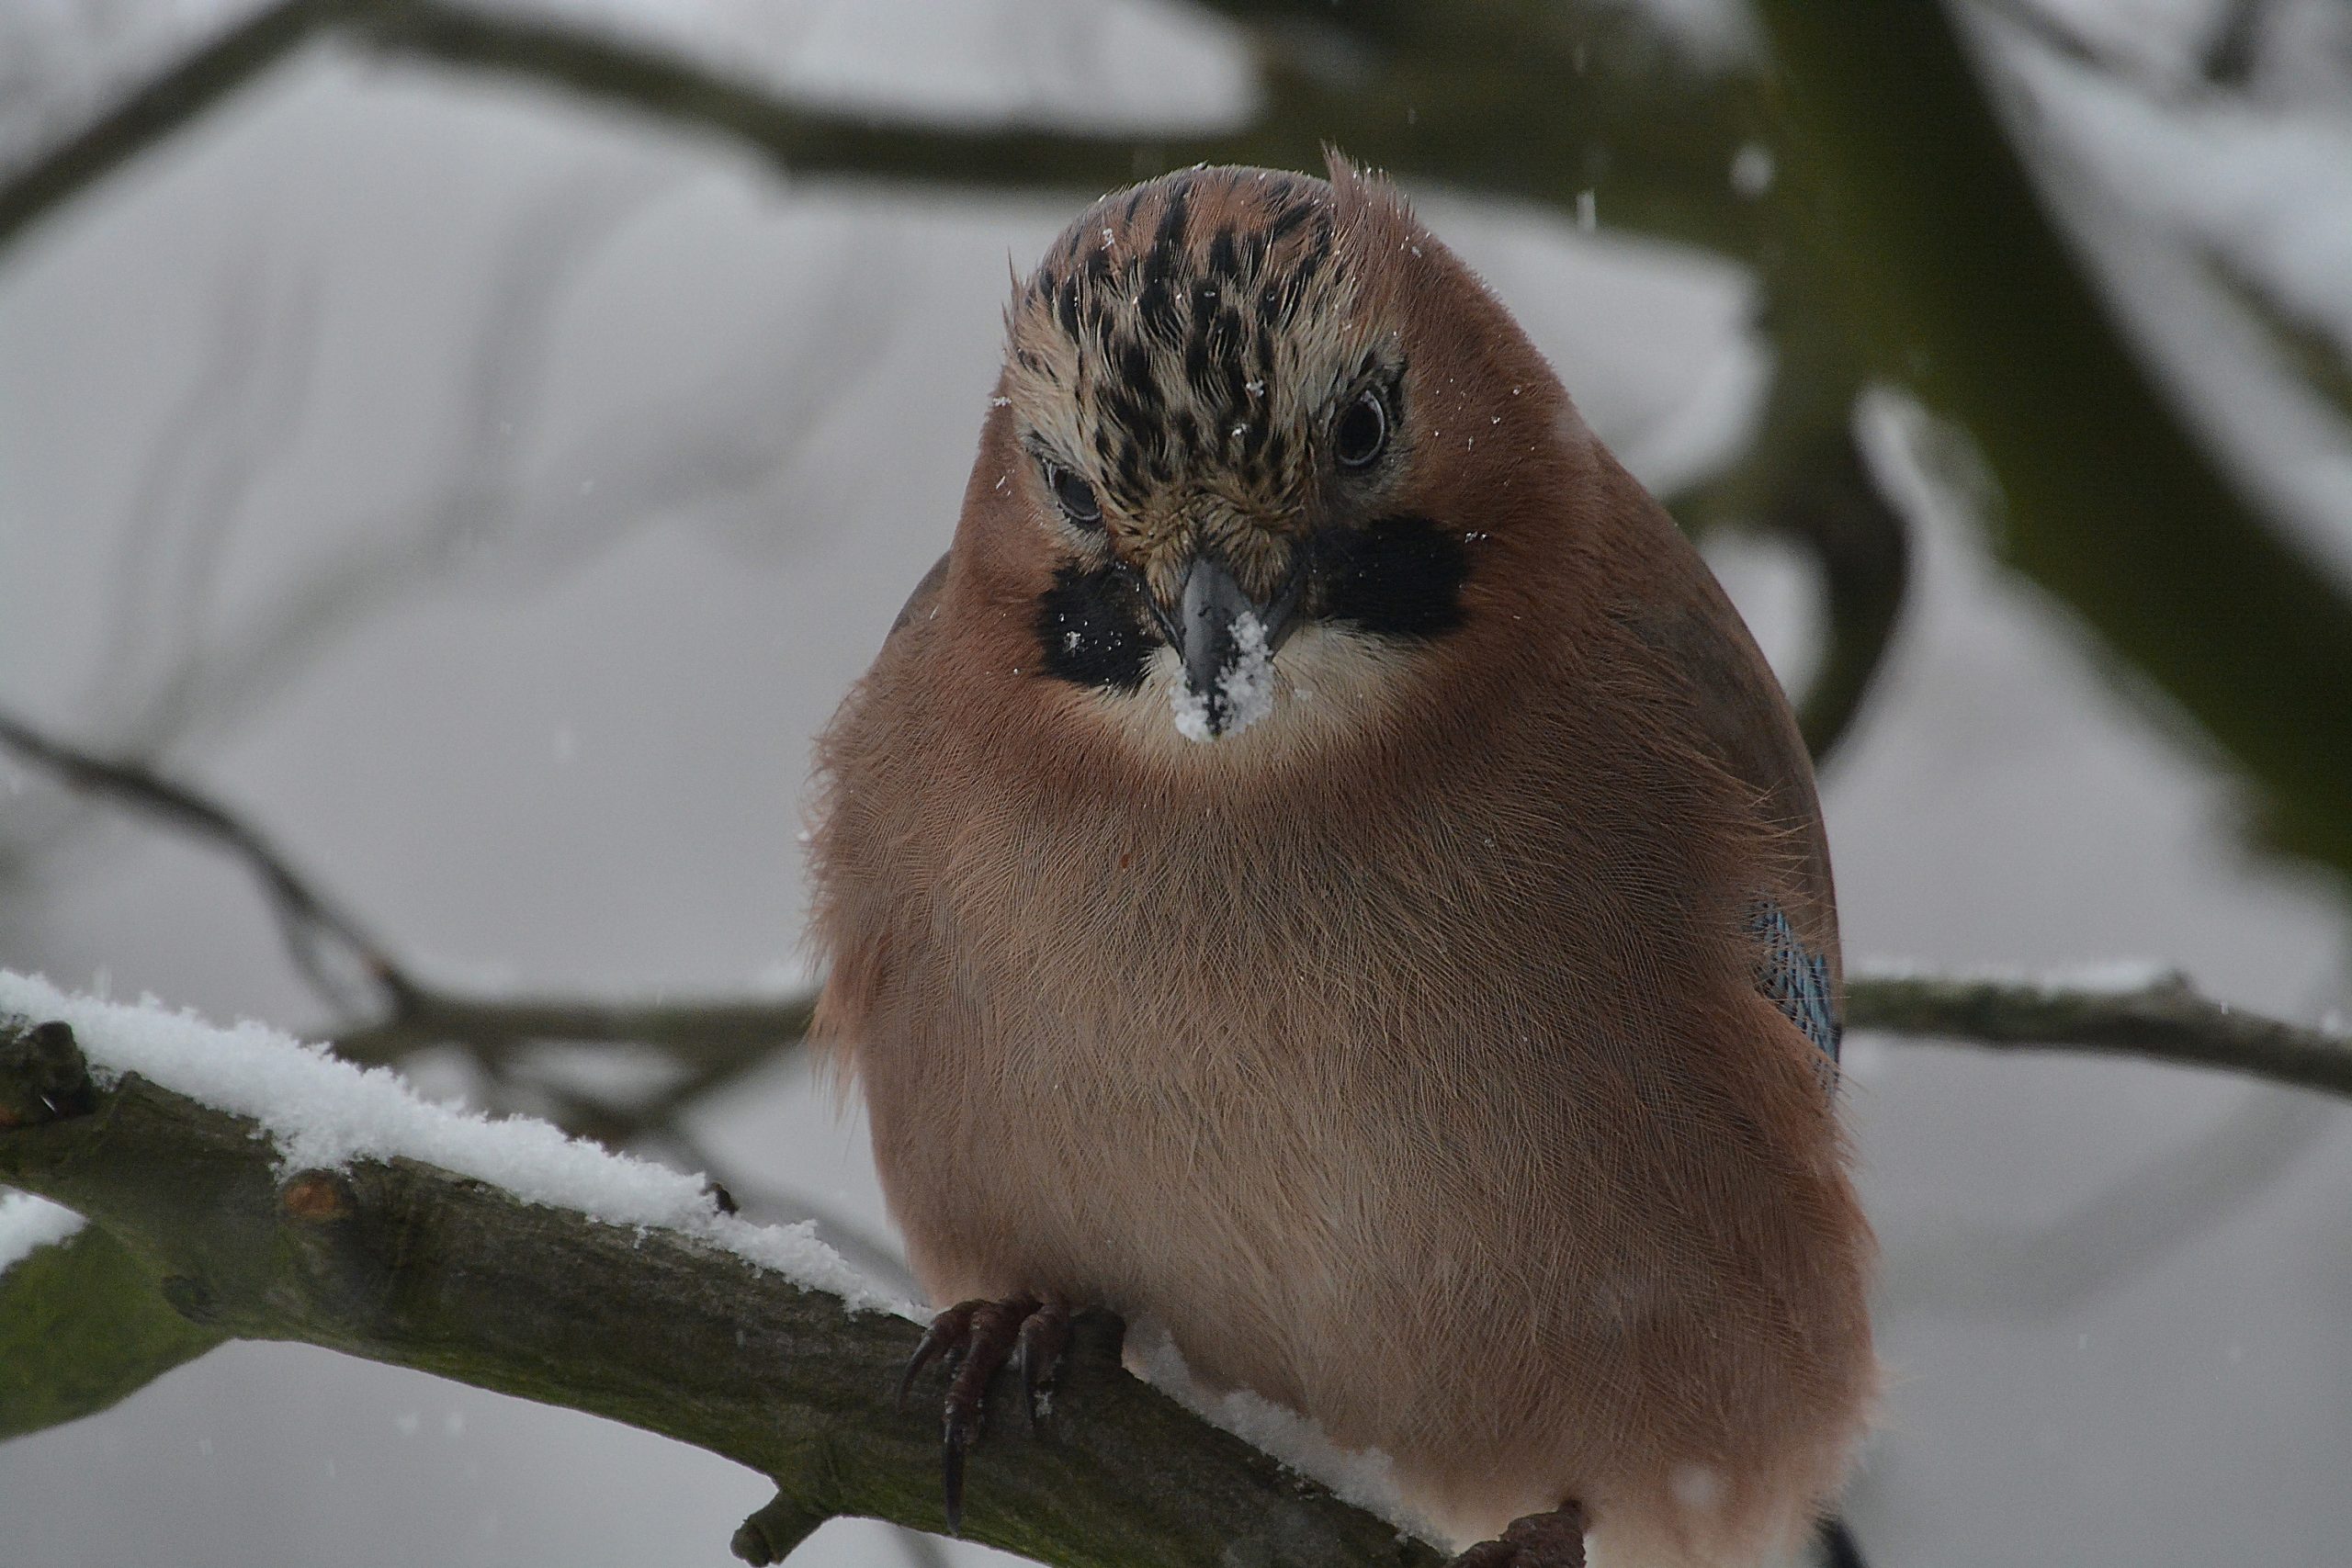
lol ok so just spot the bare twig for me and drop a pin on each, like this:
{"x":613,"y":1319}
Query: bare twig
{"x":709,"y":1034}
{"x":2164,"y":1021}
{"x":718,"y":1038}
{"x":312,"y":923}
{"x":2223,"y":617}
{"x":406,"y":1264}
{"x":375,"y":556}
{"x":149,"y":114}
{"x":1666,"y":136}
{"x":713,"y":1041}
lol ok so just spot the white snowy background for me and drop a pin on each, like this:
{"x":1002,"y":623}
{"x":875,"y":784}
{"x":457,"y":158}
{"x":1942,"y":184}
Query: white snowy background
{"x":492,"y":496}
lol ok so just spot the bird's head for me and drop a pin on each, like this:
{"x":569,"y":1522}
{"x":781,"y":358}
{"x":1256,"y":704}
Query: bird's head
{"x":1260,"y":438}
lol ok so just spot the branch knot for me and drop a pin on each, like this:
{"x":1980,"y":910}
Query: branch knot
{"x":43,"y":1076}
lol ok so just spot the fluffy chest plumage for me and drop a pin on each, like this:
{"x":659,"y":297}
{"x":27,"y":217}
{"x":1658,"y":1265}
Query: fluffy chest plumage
{"x":1384,"y":1013}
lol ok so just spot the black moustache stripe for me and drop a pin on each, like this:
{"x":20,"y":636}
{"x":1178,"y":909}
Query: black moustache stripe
{"x":1397,"y":577}
{"x":1090,"y":628}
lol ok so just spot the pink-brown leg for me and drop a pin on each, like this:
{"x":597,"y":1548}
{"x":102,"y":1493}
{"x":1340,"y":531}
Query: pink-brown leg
{"x":977,"y":1339}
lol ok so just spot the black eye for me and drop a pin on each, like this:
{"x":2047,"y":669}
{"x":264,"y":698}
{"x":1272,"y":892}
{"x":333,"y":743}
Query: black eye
{"x":1078,"y":501}
{"x":1361,"y":432}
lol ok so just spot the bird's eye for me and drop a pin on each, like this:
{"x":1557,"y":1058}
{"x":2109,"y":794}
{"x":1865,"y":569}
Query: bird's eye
{"x":1362,"y":433}
{"x":1078,"y":500}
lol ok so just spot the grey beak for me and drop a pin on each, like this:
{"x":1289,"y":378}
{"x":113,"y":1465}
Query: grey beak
{"x":1213,"y":602}
{"x":1203,"y":630}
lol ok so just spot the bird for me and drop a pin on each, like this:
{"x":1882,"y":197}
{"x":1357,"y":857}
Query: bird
{"x":1319,"y":866}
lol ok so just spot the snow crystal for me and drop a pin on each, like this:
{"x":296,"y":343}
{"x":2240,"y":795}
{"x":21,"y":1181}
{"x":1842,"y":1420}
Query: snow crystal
{"x":1192,"y":712}
{"x":29,"y":1223}
{"x":1245,"y":684}
{"x":1363,"y":1477}
{"x":320,"y":1111}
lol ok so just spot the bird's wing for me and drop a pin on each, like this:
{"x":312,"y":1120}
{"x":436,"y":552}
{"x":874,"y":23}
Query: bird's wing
{"x":1794,"y":977}
{"x":925,"y":593}
{"x":1741,"y":721}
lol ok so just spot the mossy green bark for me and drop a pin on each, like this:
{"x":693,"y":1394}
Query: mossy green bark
{"x":85,"y":1323}
{"x":416,"y":1267}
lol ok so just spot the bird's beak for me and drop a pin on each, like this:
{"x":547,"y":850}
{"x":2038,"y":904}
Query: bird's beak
{"x":1225,"y":638}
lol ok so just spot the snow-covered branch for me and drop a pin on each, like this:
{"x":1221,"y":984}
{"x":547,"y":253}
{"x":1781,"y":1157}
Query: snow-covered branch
{"x":262,"y":1189}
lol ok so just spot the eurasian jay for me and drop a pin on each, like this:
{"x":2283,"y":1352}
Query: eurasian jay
{"x":1320,"y":865}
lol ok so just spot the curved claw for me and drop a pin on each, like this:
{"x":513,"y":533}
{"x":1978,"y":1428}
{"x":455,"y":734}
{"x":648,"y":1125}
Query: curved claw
{"x":992,"y":1329}
{"x":946,"y":1332}
{"x":951,"y":1473}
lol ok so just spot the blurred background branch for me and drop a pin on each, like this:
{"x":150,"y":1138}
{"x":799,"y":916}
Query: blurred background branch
{"x":713,"y":1041}
{"x":2108,"y":500}
{"x":1901,"y":188}
{"x":1651,"y":134}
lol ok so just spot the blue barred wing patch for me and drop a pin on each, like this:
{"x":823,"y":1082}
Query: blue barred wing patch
{"x":1793,"y":977}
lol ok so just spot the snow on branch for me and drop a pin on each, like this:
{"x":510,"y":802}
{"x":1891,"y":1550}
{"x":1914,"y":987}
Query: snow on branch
{"x":270,"y":1192}
{"x":318,"y":1112}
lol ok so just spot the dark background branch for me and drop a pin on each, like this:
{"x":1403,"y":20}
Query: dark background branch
{"x":1953,"y":274}
{"x":1966,"y":288}
{"x":716,"y":1040}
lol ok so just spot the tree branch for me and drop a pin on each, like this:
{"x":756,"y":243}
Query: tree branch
{"x":717,"y":1039}
{"x":713,"y":1041}
{"x":1396,"y":84}
{"x":716,"y":1035}
{"x":2111,"y":502}
{"x":1805,"y":478}
{"x":312,"y":924}
{"x":2246,"y":635}
{"x":2163,"y":1020}
{"x":85,"y":1323}
{"x":148,"y":115}
{"x":1416,"y":87}
{"x":400,"y":1262}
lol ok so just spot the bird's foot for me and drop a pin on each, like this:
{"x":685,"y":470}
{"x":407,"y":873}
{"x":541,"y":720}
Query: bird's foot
{"x":1540,"y":1541}
{"x":975,"y":1339}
